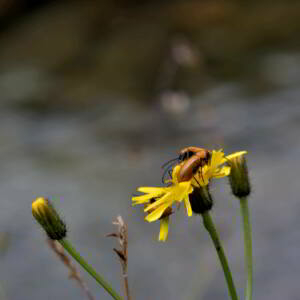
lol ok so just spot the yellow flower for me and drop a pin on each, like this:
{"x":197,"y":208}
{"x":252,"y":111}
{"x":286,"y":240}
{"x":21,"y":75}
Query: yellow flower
{"x":48,"y":218}
{"x":160,"y":199}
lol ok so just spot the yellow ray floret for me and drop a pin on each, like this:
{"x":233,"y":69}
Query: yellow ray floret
{"x":164,"y":229}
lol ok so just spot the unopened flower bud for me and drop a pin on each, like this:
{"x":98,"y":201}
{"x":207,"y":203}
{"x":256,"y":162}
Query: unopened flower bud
{"x":201,"y":200}
{"x":48,"y":218}
{"x":239,"y":178}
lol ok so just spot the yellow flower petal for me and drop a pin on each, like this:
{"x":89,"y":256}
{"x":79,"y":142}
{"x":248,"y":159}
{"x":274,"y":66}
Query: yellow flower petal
{"x":181,"y":189}
{"x":233,"y":155}
{"x":157,"y":213}
{"x":151,"y":190}
{"x":164,"y":229}
{"x":188,"y":206}
{"x":208,"y":171}
{"x":175,"y":172}
{"x":224,"y":171}
{"x":216,"y":158}
{"x":175,"y":193}
{"x":163,"y":199}
{"x":141,"y":199}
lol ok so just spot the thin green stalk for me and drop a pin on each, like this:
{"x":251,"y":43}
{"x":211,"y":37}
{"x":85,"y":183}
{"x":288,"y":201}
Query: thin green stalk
{"x":68,"y":247}
{"x":210,"y":227}
{"x":247,"y":246}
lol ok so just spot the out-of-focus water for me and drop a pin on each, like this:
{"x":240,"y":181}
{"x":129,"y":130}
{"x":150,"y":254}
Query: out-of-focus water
{"x":90,"y":164}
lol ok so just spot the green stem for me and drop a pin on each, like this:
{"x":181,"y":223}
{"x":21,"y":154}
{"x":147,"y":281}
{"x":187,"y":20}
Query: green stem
{"x":210,"y":227}
{"x":68,"y":247}
{"x":247,"y":245}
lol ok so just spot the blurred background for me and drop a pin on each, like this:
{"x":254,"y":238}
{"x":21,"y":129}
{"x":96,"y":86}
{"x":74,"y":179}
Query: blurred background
{"x":96,"y":95}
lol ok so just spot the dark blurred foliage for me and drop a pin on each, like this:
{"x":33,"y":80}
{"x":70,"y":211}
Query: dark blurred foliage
{"x":79,"y":51}
{"x":12,"y":10}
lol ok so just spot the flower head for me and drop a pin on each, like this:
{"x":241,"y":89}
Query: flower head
{"x":48,"y":218}
{"x":239,"y":177}
{"x":159,"y":200}
{"x":201,"y":200}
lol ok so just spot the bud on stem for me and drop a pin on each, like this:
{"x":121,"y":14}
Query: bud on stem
{"x":48,"y":218}
{"x":201,"y":200}
{"x":239,"y":177}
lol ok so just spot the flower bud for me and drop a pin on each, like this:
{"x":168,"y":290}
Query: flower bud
{"x":48,"y":218}
{"x":201,"y":200}
{"x":239,"y":178}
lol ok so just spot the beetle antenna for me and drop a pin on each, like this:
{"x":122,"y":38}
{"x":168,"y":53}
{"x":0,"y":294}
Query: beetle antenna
{"x":167,"y":171}
{"x":170,"y":161}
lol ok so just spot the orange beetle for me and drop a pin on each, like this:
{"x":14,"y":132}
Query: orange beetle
{"x":193,"y":158}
